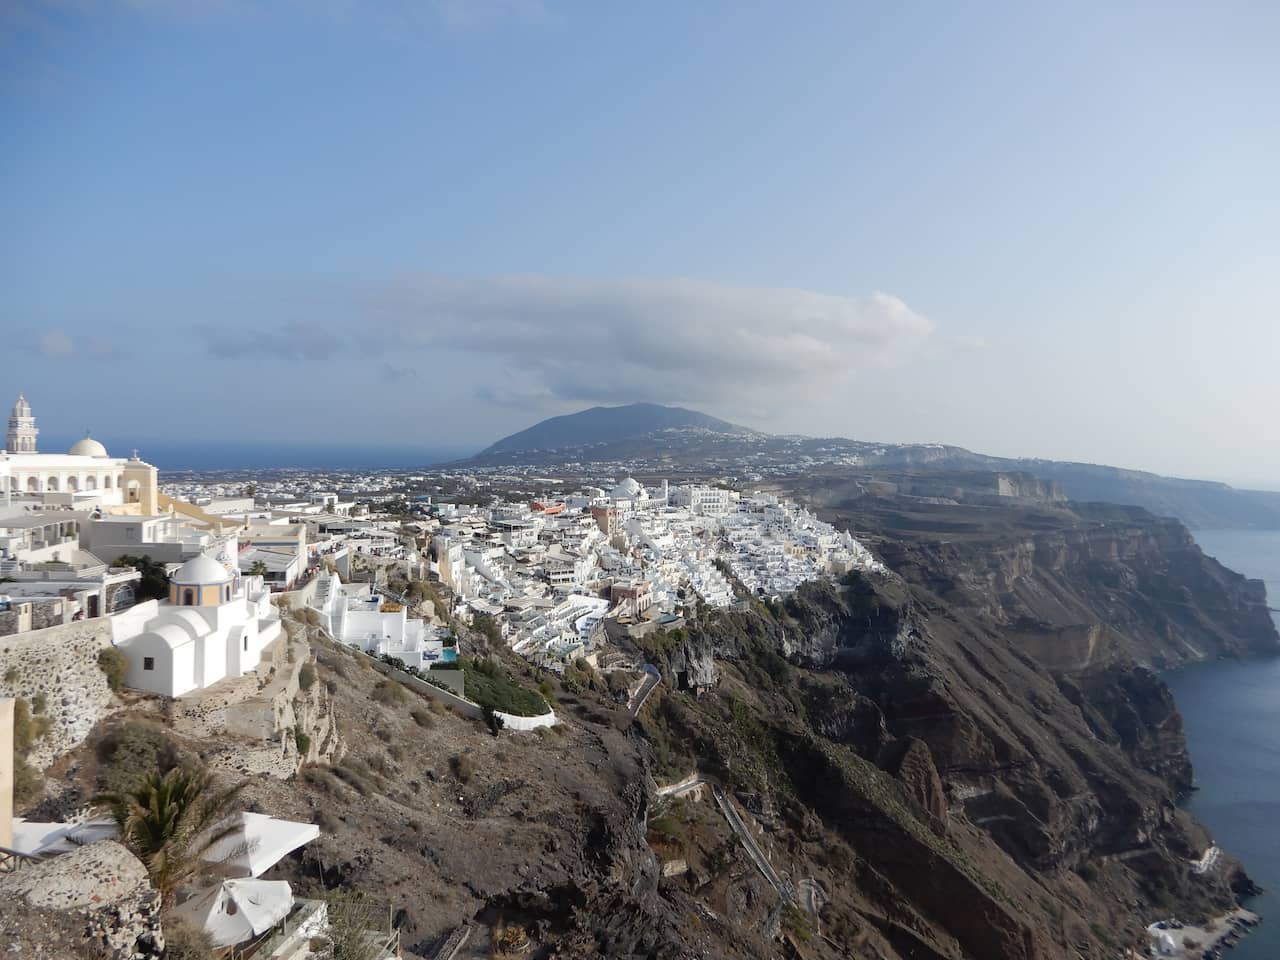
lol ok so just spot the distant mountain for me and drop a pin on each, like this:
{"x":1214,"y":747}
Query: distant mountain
{"x":606,"y":425}
{"x":675,"y":440}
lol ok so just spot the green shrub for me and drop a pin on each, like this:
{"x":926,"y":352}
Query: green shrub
{"x":154,"y":584}
{"x":389,"y":692}
{"x":493,"y":721}
{"x":113,"y":662}
{"x":130,"y":751}
{"x":11,"y":675}
{"x":302,"y":741}
{"x":27,"y":726}
{"x":463,"y":767}
{"x":306,"y":676}
{"x":39,"y":704}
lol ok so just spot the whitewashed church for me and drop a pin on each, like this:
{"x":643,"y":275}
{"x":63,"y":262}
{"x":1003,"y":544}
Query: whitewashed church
{"x":215,"y":624}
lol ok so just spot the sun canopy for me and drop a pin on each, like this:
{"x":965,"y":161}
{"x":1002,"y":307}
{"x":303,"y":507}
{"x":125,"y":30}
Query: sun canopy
{"x":258,"y":843}
{"x":49,"y":838}
{"x":237,"y":910}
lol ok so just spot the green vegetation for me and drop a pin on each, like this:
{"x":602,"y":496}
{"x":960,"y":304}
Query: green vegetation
{"x":169,"y":821}
{"x":490,"y":685}
{"x":389,"y":692}
{"x":11,"y":675}
{"x":669,"y":732}
{"x":28,"y":727}
{"x":128,"y":752}
{"x":660,"y":643}
{"x":113,"y":662}
{"x":463,"y":767}
{"x":306,"y":676}
{"x":258,"y":569}
{"x":493,"y":721}
{"x":580,"y":676}
{"x":154,"y":584}
{"x":352,"y":916}
{"x":487,"y":627}
{"x":302,"y":741}
{"x":796,"y":922}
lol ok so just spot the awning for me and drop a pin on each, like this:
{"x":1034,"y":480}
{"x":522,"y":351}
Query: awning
{"x":237,"y":910}
{"x":258,"y":843}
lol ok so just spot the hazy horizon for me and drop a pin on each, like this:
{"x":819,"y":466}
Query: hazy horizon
{"x":396,"y":226}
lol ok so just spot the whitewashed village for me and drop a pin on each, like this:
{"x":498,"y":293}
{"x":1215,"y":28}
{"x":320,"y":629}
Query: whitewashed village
{"x":202,"y":607}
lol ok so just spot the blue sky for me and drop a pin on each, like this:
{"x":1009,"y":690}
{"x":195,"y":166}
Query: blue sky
{"x":1023,"y":230}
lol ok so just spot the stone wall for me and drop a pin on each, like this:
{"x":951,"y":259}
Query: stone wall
{"x":35,"y":613}
{"x":62,"y":664}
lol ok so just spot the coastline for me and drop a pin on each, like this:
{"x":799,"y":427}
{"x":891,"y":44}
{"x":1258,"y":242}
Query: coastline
{"x":1192,"y":942}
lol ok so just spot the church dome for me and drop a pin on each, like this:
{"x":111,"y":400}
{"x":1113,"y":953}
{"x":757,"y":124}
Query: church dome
{"x":199,"y":571}
{"x":628,"y":489}
{"x":86,"y":446}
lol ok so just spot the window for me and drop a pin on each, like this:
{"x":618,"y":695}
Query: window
{"x":246,"y":643}
{"x":148,"y":663}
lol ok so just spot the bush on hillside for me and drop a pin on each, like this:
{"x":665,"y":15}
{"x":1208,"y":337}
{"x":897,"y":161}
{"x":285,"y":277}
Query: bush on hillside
{"x":130,"y":751}
{"x":185,"y":940}
{"x":306,"y":676}
{"x":115,"y":665}
{"x":389,"y":692}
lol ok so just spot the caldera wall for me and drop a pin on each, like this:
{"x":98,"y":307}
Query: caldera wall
{"x":59,"y":664}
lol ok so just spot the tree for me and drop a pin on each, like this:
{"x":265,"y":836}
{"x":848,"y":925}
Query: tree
{"x":154,"y":584}
{"x":259,"y":569}
{"x":170,"y":821}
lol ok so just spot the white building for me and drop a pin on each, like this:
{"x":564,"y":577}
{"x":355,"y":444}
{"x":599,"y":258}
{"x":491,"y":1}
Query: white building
{"x":215,"y":624}
{"x":84,"y":477}
{"x":354,"y":614}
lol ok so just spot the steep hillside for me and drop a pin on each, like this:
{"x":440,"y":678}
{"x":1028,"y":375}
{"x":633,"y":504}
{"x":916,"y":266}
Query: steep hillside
{"x":603,"y":425}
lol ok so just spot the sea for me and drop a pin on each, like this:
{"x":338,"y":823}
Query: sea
{"x":1231,"y":714}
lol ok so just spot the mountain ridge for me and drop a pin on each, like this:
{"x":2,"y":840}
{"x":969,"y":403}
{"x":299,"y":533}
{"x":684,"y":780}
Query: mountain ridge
{"x":605,"y":423}
{"x":679,"y":439}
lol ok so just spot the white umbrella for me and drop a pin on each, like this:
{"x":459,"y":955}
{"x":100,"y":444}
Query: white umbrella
{"x":236,"y":910}
{"x":258,"y":843}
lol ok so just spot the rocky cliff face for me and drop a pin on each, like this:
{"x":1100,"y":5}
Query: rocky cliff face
{"x":1002,"y":682}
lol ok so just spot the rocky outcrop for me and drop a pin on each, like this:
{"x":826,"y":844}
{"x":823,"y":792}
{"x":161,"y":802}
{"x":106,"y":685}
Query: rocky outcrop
{"x":911,"y":762}
{"x":95,"y":901}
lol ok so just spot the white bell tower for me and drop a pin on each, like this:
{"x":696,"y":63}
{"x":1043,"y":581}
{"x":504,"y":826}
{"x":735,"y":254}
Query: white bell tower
{"x":22,"y":428}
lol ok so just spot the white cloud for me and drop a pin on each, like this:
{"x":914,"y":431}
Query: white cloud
{"x":544,"y":339}
{"x":55,"y":343}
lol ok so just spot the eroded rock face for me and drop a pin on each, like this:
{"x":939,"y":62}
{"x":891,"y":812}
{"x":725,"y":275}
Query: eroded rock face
{"x":910,"y":761}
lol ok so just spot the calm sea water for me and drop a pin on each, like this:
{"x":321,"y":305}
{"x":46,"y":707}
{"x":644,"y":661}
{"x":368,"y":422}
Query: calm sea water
{"x":1231,"y":713}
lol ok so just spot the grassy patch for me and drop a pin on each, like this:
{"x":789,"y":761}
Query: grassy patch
{"x":490,"y":685}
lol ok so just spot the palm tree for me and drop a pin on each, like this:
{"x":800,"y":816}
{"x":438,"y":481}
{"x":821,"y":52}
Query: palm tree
{"x":259,"y":569}
{"x":170,"y":821}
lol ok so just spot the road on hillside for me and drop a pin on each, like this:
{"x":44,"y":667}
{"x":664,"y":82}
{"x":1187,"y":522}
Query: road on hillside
{"x":653,"y":677}
{"x":811,"y":896}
